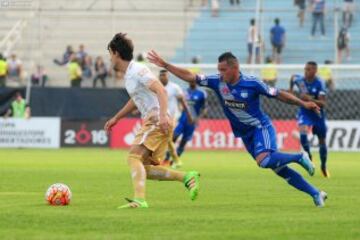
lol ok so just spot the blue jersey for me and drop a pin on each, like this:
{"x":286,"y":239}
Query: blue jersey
{"x":315,"y":89}
{"x":241,"y":101}
{"x":196,"y":102}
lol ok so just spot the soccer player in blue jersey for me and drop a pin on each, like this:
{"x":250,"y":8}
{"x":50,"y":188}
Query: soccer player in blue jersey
{"x":239,"y":96}
{"x":312,"y":89}
{"x":196,"y":100}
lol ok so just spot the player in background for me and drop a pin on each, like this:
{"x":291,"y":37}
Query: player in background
{"x":196,"y":99}
{"x":312,"y":89}
{"x":175,"y":98}
{"x":239,"y":96}
{"x":148,"y":95}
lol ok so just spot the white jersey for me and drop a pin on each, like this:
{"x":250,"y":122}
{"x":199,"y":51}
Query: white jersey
{"x":138,"y":78}
{"x":253,"y":36}
{"x":174,"y":92}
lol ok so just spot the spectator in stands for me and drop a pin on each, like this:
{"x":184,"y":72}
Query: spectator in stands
{"x":269,"y":72}
{"x":325,"y":74}
{"x":66,"y":56}
{"x":348,"y":13}
{"x":19,"y":108}
{"x":85,"y":61}
{"x":3,"y":71}
{"x":195,"y":69}
{"x":101,"y":72}
{"x":81,"y":54}
{"x":87,"y":67}
{"x":15,"y":69}
{"x":277,"y":38}
{"x":75,"y":71}
{"x":215,"y":8}
{"x":253,"y":42}
{"x":140,"y":58}
{"x":301,"y":13}
{"x":318,"y":12}
{"x":235,"y":2}
{"x":343,"y":41}
{"x":39,"y":78}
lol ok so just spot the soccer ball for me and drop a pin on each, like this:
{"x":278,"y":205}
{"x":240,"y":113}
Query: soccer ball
{"x":58,"y":194}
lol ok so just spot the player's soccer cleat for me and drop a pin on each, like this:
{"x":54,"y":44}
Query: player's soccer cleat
{"x":307,"y":164}
{"x":134,"y":203}
{"x":320,"y":198}
{"x":325,"y":172}
{"x":191,"y":182}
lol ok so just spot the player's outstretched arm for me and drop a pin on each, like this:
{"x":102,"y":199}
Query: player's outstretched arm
{"x":292,"y":99}
{"x":129,"y":107}
{"x":181,"y":73}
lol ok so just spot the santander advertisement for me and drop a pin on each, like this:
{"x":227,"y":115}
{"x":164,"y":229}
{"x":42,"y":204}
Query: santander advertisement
{"x":209,"y":135}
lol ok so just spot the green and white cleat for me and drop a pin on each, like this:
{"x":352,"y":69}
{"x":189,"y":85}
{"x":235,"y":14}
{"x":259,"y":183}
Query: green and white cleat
{"x":134,"y":203}
{"x":192,"y":183}
{"x":307,"y":164}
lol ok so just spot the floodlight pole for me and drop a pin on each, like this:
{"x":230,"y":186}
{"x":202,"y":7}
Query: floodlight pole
{"x":336,"y":30}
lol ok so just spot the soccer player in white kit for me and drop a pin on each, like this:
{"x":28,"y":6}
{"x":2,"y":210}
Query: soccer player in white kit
{"x":148,"y":95}
{"x":175,"y":99}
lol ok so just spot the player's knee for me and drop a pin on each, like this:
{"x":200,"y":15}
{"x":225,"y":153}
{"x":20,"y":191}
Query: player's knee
{"x":264,"y":160}
{"x":280,"y":170}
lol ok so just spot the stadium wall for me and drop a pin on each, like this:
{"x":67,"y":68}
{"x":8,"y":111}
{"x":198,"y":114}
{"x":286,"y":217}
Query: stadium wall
{"x":90,"y":103}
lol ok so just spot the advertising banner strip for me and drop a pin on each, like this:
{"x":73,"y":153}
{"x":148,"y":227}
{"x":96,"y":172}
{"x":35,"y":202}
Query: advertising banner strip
{"x":83,"y":134}
{"x":217,"y":135}
{"x":30,"y":133}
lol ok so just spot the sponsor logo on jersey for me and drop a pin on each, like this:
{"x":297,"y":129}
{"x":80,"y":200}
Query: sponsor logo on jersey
{"x":235,"y":104}
{"x":244,"y":94}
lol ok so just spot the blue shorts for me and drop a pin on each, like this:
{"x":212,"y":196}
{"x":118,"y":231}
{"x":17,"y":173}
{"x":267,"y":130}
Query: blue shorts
{"x":250,"y":49}
{"x":318,"y":125}
{"x":260,"y":140}
{"x":186,"y":130}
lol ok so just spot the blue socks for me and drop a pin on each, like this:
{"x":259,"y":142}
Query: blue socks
{"x":323,"y":154}
{"x":181,"y":147}
{"x":305,"y":143}
{"x":296,"y":180}
{"x":277,"y":159}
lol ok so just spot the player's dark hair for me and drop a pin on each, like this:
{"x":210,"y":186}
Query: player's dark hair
{"x":163,"y":71}
{"x":277,"y":21}
{"x":312,"y":63}
{"x":229,"y":58}
{"x":122,"y":45}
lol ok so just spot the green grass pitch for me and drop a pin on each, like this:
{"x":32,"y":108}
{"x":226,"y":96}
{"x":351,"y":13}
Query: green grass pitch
{"x":237,"y":199}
